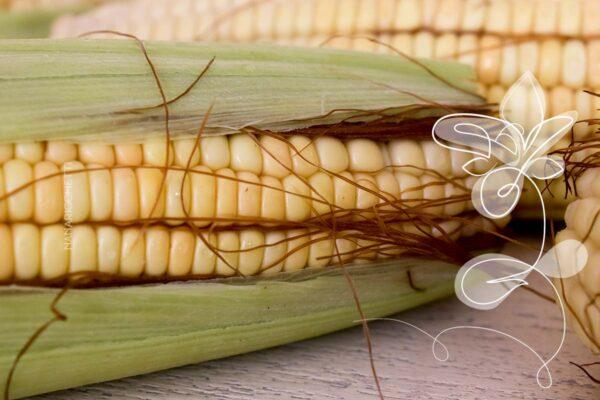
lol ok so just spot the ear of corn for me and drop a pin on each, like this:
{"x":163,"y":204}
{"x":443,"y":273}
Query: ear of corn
{"x":110,"y":178}
{"x":114,"y":333}
{"x":501,"y":39}
{"x":581,"y":292}
{"x":75,"y":155}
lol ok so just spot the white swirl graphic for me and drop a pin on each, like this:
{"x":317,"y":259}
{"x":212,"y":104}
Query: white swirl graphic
{"x":515,"y":148}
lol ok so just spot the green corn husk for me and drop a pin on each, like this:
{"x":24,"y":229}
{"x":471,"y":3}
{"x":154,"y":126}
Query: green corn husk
{"x":112,"y":333}
{"x":81,"y":89}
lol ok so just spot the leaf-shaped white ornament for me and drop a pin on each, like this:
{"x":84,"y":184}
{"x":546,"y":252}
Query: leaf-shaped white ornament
{"x":497,"y":193}
{"x":546,"y":167}
{"x":486,"y":280}
{"x":549,"y":132}
{"x":474,"y":134}
{"x":564,"y":260}
{"x":524,"y":103}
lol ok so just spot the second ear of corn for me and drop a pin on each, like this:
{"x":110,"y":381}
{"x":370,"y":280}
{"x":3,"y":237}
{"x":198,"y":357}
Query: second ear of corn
{"x":581,"y":293}
{"x":556,"y":40}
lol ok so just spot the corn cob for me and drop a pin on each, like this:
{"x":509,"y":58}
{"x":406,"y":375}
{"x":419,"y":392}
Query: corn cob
{"x":232,"y":178}
{"x":580,"y":292}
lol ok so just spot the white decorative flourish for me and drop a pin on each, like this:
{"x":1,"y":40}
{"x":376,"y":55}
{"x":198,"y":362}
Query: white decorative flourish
{"x":515,"y":149}
{"x":515,"y":146}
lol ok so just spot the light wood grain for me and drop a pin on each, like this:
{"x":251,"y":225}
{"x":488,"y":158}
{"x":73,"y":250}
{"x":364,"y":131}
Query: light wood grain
{"x":481,"y":365}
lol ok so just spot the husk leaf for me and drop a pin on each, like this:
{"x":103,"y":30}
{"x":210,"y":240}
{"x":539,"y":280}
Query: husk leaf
{"x":112,"y":333}
{"x":85,"y":89}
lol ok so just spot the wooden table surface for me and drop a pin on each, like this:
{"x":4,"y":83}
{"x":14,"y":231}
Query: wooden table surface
{"x":481,"y":365}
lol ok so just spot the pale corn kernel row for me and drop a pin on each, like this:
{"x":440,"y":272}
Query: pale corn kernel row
{"x":52,"y":251}
{"x":273,"y":156}
{"x":243,"y":20}
{"x":45,"y":193}
{"x":561,"y":99}
{"x":30,"y":252}
{"x":571,"y":63}
{"x":582,"y":291}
